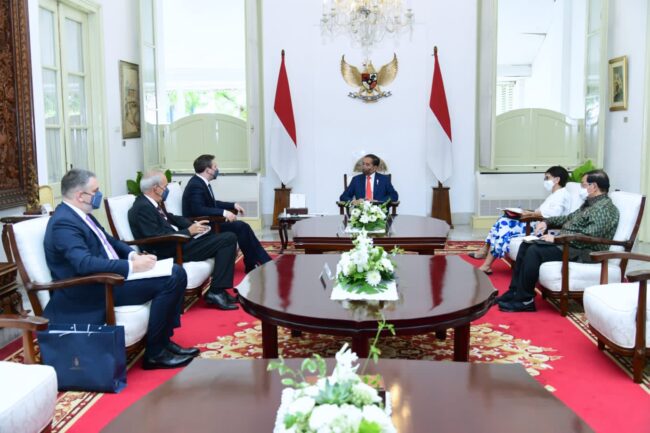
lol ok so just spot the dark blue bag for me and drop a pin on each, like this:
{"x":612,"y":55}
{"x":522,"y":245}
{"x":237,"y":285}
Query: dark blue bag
{"x":85,"y":357}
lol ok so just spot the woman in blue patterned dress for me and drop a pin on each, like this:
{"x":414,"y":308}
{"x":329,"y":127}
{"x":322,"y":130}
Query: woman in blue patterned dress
{"x":497,"y":243}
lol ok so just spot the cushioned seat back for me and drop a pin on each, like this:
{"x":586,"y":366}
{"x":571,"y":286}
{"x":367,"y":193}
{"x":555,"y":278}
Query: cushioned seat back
{"x":573,"y":188}
{"x":628,"y":205}
{"x":174,"y":202}
{"x":30,"y":254}
{"x":119,"y":214}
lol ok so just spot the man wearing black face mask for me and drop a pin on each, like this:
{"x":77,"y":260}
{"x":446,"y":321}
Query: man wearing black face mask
{"x":148,"y":219}
{"x":199,"y":200}
{"x":77,"y":245}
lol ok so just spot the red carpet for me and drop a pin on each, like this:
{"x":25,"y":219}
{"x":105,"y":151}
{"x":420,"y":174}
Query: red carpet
{"x":567,"y":361}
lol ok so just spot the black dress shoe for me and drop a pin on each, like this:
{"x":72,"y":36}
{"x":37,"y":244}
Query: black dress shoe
{"x":508,"y":296}
{"x":186,"y":351}
{"x":232,"y":299}
{"x":518,"y":306}
{"x":220,"y":301}
{"x":165,"y":359}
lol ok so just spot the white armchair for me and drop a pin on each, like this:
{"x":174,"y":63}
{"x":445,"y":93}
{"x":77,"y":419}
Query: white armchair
{"x":198,"y":273}
{"x":565,"y":279}
{"x":619,"y":313}
{"x":26,"y":240}
{"x":29,"y":391}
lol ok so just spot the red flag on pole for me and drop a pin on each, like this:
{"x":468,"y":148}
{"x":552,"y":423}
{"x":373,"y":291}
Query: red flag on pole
{"x":439,"y":150}
{"x":284,"y":155}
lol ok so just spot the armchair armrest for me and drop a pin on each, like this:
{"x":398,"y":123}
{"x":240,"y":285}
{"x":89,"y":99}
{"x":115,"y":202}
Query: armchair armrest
{"x":528,"y":220}
{"x":28,"y":324}
{"x":178,"y":238}
{"x":640,"y":275}
{"x":599,"y":256}
{"x":565,"y":239}
{"x":108,"y":279}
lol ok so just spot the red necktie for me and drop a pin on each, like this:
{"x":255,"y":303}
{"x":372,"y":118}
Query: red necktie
{"x":368,"y":188}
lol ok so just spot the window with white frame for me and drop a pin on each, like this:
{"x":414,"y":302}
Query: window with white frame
{"x":505,"y":96}
{"x":66,"y":88}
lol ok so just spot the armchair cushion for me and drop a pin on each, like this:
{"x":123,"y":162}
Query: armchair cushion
{"x":611,"y":309}
{"x":198,"y":272}
{"x":28,"y":398}
{"x":29,"y":236}
{"x":174,"y":202}
{"x":581,"y":275}
{"x":120,"y":206}
{"x":135,"y":319}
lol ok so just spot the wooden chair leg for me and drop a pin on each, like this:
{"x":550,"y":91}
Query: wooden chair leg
{"x":564,"y":304}
{"x":638,"y":364}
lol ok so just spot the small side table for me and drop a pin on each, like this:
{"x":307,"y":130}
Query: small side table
{"x":10,"y":299}
{"x":285,"y":221}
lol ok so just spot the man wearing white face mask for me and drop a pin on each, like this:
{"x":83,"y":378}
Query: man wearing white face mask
{"x":497,"y":243}
{"x":597,"y":217}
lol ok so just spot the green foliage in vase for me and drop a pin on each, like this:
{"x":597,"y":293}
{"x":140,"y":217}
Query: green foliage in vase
{"x":578,"y":172}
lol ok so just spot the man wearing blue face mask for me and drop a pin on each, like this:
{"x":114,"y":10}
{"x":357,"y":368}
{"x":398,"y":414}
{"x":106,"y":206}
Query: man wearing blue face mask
{"x":199,"y":200}
{"x":597,"y":217}
{"x":148,"y":219}
{"x":76,"y":245}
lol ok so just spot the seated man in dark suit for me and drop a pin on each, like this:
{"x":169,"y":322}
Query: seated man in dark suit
{"x":370,"y":185}
{"x":148,"y":219}
{"x":597,"y":217}
{"x":77,"y":245}
{"x":199,"y":200}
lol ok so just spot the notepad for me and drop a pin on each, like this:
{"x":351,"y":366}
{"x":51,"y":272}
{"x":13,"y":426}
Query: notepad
{"x":163,"y":268}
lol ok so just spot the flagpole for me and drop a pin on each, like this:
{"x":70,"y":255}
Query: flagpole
{"x":440,"y":206}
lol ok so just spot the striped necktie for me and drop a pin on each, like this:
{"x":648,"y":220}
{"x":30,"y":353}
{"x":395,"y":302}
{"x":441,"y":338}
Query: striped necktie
{"x":110,"y":252}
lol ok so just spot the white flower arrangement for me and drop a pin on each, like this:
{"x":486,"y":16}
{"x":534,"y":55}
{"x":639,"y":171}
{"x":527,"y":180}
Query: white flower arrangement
{"x":341,"y":402}
{"x":366,"y":269}
{"x":368,"y":216}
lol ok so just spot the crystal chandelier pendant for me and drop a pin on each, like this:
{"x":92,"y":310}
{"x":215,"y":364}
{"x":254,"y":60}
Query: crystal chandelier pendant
{"x":366,"y":22}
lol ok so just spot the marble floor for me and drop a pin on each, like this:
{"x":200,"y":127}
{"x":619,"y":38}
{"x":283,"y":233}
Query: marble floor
{"x":458,"y":233}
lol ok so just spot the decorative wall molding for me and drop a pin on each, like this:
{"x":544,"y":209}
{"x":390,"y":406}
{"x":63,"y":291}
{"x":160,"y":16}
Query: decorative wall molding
{"x":18,"y":175}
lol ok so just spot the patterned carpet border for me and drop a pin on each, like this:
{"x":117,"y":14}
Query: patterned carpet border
{"x":489,"y":343}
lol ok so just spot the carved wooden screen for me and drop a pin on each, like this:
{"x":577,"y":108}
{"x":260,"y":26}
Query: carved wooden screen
{"x":18,"y":175}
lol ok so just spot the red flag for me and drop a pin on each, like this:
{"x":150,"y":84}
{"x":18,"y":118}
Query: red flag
{"x":284,"y":159}
{"x":439,"y":151}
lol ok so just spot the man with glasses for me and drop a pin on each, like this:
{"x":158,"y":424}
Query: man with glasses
{"x":597,"y":217}
{"x":77,"y":245}
{"x":148,"y":219}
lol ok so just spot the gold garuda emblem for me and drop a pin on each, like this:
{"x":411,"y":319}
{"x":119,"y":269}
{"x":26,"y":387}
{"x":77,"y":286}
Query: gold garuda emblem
{"x":369,"y":82}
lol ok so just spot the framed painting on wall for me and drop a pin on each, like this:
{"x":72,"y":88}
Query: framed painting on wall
{"x":130,"y":99}
{"x":618,"y":84}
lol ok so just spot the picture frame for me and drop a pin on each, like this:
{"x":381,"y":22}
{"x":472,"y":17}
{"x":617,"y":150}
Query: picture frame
{"x":618,"y":83}
{"x":130,"y":99}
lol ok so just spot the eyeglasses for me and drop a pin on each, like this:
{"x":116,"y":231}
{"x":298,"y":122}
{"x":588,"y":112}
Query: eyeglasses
{"x":585,"y":185}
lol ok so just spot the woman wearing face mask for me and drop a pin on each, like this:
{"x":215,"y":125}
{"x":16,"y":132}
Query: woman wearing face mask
{"x":497,"y":243}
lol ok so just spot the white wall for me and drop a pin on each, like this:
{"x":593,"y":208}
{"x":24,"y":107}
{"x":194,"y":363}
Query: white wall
{"x":334,"y":130}
{"x":120,"y":43}
{"x":624,"y":129}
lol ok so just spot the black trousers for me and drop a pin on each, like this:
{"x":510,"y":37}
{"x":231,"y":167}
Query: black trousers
{"x":254,"y":252}
{"x":223,"y":248}
{"x":166,"y":296}
{"x":525,"y":274}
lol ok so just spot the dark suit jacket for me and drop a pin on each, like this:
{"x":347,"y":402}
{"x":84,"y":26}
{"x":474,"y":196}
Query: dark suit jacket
{"x":197,"y":200}
{"x":145,"y":222}
{"x":72,"y":249}
{"x":382,"y":190}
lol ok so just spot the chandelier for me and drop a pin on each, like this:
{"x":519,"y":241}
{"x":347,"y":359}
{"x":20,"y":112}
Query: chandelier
{"x":366,"y":22}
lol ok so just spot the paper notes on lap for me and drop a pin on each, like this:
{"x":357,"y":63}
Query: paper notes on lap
{"x":163,"y":268}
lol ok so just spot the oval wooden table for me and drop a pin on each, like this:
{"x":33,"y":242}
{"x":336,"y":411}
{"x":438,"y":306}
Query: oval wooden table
{"x":240,"y":396}
{"x":436,"y":293}
{"x":413,"y":233}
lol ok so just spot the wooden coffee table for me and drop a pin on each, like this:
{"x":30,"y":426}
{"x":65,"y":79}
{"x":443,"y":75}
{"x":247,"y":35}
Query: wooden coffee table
{"x":436,"y":293}
{"x":427,"y":396}
{"x":413,"y":233}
